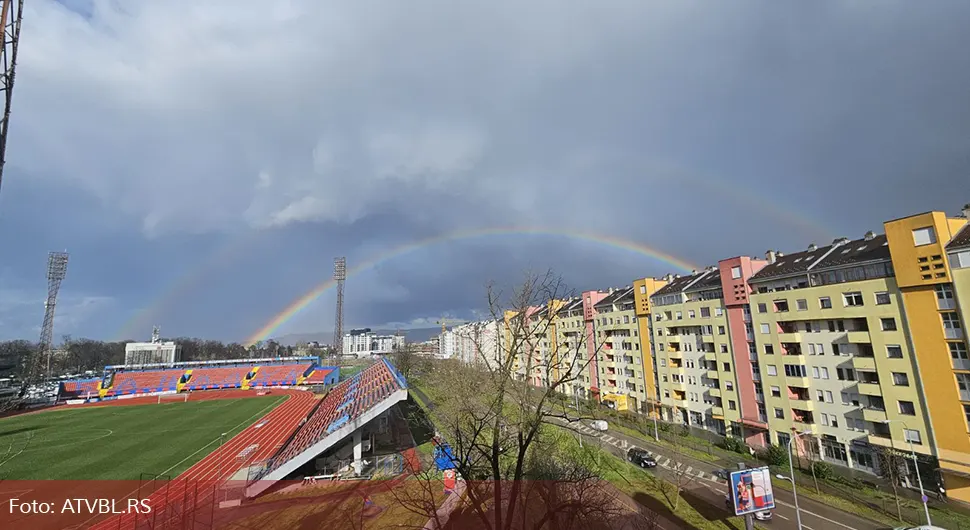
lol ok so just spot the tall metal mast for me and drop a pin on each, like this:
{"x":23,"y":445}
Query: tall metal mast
{"x":339,"y":274}
{"x":56,"y":270}
{"x":10,"y":22}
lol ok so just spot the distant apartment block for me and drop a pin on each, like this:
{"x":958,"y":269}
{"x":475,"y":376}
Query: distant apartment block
{"x":364,"y":342}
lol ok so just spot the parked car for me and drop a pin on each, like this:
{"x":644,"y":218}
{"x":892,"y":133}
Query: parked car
{"x":598,"y":425}
{"x":641,"y":457}
{"x":722,"y":474}
{"x":763,"y":515}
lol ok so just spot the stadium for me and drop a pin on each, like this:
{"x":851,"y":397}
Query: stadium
{"x":200,"y":438}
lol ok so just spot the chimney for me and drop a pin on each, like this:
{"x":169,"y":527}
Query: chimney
{"x":870,"y":236}
{"x":781,"y":254}
{"x":693,"y":271}
{"x":966,"y":210}
{"x":840,"y":241}
{"x":770,"y":256}
{"x":813,"y":247}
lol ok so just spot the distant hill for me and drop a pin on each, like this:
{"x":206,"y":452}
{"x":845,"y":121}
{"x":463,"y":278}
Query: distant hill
{"x":413,"y":335}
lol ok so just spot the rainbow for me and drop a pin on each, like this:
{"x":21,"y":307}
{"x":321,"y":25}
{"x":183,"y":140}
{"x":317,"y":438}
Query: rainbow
{"x":302,"y":302}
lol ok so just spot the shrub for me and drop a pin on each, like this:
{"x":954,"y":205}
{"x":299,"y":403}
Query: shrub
{"x":822,"y":470}
{"x":734,"y":444}
{"x":775,"y":455}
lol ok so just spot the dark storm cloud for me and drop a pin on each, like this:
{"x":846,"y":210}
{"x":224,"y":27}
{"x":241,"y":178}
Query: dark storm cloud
{"x":705,"y":129}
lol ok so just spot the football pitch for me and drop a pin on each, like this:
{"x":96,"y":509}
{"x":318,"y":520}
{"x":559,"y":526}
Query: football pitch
{"x":121,"y":442}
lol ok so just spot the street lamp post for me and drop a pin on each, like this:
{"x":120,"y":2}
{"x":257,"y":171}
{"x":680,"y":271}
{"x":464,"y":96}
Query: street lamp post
{"x":791,"y":477}
{"x":919,"y":480}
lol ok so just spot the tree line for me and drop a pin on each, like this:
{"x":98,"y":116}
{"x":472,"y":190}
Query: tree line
{"x":79,"y":355}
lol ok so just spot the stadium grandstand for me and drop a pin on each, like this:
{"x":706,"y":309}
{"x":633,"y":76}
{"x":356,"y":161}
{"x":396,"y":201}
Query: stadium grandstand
{"x":352,"y":412}
{"x":154,"y":379}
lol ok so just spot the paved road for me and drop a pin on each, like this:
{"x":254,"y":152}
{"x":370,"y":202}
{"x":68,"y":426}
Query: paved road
{"x":815,"y":515}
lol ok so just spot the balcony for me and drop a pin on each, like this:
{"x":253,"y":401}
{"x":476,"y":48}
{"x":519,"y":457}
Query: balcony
{"x":675,"y":354}
{"x":858,"y":337}
{"x":801,"y":426}
{"x":709,"y":357}
{"x":870,"y":389}
{"x":795,"y":337}
{"x":874,"y":415}
{"x":712,"y":374}
{"x":800,"y":382}
{"x":714,"y":392}
{"x":717,"y":411}
{"x":864,"y":363}
{"x":678,"y":385}
{"x":802,"y":404}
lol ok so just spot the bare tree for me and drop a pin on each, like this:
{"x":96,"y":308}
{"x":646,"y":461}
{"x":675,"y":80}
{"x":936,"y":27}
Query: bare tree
{"x":671,"y":489}
{"x":498,"y":414}
{"x":891,"y":466}
{"x":405,"y":360}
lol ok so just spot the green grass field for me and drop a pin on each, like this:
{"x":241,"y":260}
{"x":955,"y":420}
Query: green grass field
{"x":121,"y":442}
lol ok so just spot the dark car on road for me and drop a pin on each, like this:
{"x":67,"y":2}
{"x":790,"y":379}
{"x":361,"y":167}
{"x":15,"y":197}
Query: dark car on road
{"x":641,"y":457}
{"x":722,"y":474}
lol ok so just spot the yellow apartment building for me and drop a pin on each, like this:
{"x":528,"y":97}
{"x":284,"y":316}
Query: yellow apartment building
{"x":928,"y":260}
{"x":643,"y":289}
{"x":833,"y":360}
{"x":617,"y":339}
{"x":695,"y":364}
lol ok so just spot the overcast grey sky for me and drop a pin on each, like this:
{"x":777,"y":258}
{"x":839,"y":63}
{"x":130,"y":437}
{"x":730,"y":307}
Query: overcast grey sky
{"x":204,"y":161}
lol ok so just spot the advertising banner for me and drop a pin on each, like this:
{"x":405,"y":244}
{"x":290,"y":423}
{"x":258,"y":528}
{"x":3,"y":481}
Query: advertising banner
{"x":751,"y":491}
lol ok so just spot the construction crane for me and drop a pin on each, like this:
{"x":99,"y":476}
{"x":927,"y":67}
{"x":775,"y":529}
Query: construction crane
{"x":448,"y":322}
{"x":10,"y":17}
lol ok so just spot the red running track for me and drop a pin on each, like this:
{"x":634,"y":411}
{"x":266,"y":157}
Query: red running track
{"x":269,"y":433}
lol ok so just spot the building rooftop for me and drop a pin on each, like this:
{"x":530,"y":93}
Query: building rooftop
{"x":709,"y":281}
{"x":677,"y":285}
{"x":616,"y":296}
{"x":865,"y":250}
{"x":961,"y":240}
{"x":790,"y":264}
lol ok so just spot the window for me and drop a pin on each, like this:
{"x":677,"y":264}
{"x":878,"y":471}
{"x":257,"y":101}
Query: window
{"x":775,"y":392}
{"x":845,"y":374}
{"x":663,"y":363}
{"x":924,"y":236}
{"x":802,"y":304}
{"x":900,"y":379}
{"x":772,"y":369}
{"x":820,"y":348}
{"x":705,"y":312}
{"x":811,"y":349}
{"x":825,"y":373}
{"x":950,"y":321}
{"x":888,"y":324}
{"x":728,"y":386}
{"x":691,"y":314}
{"x":894,"y":351}
{"x":721,"y":330}
{"x":765,"y":329}
{"x":835,"y":421}
{"x":718,"y":311}
{"x":643,"y":289}
{"x":735,"y":272}
{"x":825,"y":302}
{"x":907,"y":408}
{"x":912,"y":436}
{"x":796,"y":370}
{"x":963,"y":382}
{"x":769,"y":349}
{"x":825,"y":419}
{"x":727,"y":367}
{"x":815,"y":372}
{"x":781,"y":306}
{"x":732,"y":405}
{"x":780,"y":414}
{"x":882,"y":298}
{"x":828,"y":396}
{"x":966,"y":415}
{"x":680,"y":316}
{"x":853,"y":299}
{"x":820,"y":395}
{"x":724,"y":348}
{"x":958,"y":350}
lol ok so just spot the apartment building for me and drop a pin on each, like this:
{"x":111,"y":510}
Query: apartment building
{"x":477,"y":342}
{"x":573,"y":353}
{"x":735,"y":274}
{"x":930,"y":262}
{"x":695,"y":364}
{"x":643,"y":289}
{"x":621,"y":378}
{"x":834,"y":360}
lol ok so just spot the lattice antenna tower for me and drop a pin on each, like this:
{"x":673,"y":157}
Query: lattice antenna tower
{"x":56,"y":270}
{"x":10,"y":22}
{"x":339,"y":274}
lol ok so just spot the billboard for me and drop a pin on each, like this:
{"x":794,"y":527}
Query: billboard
{"x":751,"y":491}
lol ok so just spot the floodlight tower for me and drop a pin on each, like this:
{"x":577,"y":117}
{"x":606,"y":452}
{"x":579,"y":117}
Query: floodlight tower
{"x":339,"y":274}
{"x":10,"y":17}
{"x":56,"y":270}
